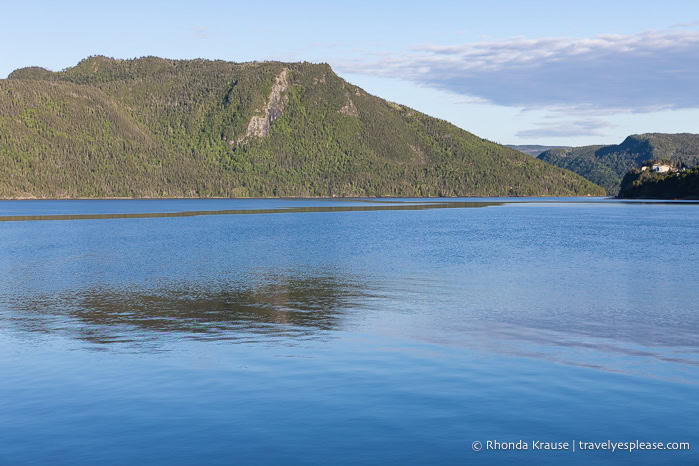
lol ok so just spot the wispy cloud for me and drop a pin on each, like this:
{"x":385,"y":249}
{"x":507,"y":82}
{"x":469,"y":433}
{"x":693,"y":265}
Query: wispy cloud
{"x":690,"y":24}
{"x":566,"y":129}
{"x":200,"y":32}
{"x":639,"y":72}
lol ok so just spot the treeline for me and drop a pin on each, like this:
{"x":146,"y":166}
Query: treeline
{"x":152,"y":127}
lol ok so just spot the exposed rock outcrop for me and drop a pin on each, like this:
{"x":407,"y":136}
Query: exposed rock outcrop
{"x":259,"y":124}
{"x":349,"y":109}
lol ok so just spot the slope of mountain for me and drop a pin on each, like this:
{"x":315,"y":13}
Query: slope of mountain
{"x":152,"y":127}
{"x":607,"y":165}
{"x":639,"y":184}
{"x":534,"y":149}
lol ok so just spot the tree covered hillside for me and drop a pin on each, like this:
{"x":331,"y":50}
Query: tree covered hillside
{"x":607,"y":165}
{"x":152,"y":127}
{"x":645,"y":184}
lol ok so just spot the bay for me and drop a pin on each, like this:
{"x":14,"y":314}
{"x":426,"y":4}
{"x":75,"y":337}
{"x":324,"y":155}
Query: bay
{"x":346,"y":331}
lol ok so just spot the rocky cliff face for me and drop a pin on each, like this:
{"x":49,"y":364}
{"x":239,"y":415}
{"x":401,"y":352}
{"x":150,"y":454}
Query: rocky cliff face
{"x":259,"y":124}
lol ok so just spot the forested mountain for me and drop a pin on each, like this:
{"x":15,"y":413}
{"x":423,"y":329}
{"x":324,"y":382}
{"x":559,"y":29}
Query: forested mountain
{"x":152,"y":127}
{"x":607,"y":165}
{"x":639,"y":184}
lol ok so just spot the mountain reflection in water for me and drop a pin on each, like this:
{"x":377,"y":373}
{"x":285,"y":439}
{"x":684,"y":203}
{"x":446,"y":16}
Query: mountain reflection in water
{"x":286,"y":307}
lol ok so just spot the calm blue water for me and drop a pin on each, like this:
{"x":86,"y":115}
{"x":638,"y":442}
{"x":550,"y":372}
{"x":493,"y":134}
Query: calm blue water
{"x":345,"y":337}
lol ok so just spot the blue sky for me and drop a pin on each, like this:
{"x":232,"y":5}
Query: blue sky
{"x":527,"y":72}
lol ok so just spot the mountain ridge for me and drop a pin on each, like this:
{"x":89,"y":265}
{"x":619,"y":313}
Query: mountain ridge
{"x":153,"y":127}
{"x":606,"y":165}
{"x":534,"y":149}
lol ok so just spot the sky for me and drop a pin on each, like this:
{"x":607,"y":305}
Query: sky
{"x":515,"y":72}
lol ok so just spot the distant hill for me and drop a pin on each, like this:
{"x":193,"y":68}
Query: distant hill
{"x":639,"y":184}
{"x":607,"y":165}
{"x":152,"y":127}
{"x":533,"y":149}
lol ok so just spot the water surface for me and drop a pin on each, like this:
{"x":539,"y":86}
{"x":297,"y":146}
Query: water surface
{"x":346,"y":331}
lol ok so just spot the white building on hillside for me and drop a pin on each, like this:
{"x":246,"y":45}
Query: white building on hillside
{"x":661,"y":168}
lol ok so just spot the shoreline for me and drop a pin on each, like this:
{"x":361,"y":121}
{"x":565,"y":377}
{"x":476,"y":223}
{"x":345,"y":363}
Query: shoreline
{"x":339,"y":198}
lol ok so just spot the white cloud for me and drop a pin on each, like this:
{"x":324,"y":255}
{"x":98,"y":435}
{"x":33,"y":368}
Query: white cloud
{"x":608,"y":73}
{"x":579,"y":128}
